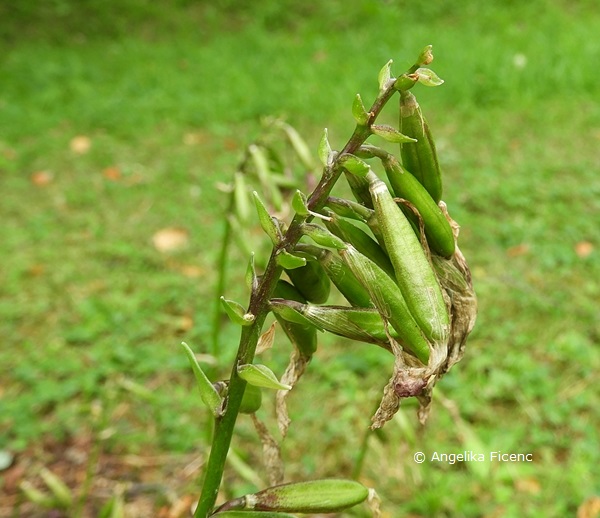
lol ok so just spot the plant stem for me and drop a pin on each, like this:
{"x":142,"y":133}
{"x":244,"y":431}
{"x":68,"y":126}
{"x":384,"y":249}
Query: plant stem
{"x":259,"y":307}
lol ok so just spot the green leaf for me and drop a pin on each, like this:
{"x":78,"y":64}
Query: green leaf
{"x":385,"y":75}
{"x":324,"y":150}
{"x":300,"y":204}
{"x":355,"y":165}
{"x":428,"y":77}
{"x":323,"y":237}
{"x":208,"y":393}
{"x":265,"y":219}
{"x":359,"y":111}
{"x":260,"y":376}
{"x":236,"y":312}
{"x":290,"y":261}
{"x":390,"y":134}
{"x":251,"y":278}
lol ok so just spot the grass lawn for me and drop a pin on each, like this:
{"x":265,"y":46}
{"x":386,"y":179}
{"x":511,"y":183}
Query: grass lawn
{"x":119,"y":123}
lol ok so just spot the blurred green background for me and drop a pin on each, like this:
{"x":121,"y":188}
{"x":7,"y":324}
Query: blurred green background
{"x":119,"y":119}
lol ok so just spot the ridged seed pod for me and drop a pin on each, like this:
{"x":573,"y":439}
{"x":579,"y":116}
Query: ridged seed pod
{"x":405,"y":185}
{"x":414,"y":273}
{"x":315,"y":496}
{"x":360,"y":240}
{"x":311,"y":281}
{"x":419,"y":157}
{"x":344,"y":280}
{"x":303,"y":336}
{"x":388,"y":300}
{"x":253,"y":514}
{"x":360,"y":324}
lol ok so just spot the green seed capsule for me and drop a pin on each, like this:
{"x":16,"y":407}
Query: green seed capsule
{"x":352,"y":210}
{"x":251,"y":400}
{"x":360,"y":240}
{"x":241,"y":197}
{"x":344,"y":280}
{"x":360,"y":324}
{"x":360,"y":188}
{"x":405,"y":185}
{"x":311,"y":281}
{"x":315,"y":496}
{"x":414,"y":274}
{"x":252,"y":514}
{"x":348,"y":208}
{"x":303,"y":336}
{"x":388,"y":300}
{"x":420,"y":157}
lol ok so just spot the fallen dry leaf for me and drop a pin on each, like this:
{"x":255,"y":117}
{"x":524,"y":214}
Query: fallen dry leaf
{"x":184,"y":323}
{"x":528,"y":485}
{"x":584,"y":249}
{"x":590,"y":508}
{"x":112,"y":173}
{"x":195,"y":137}
{"x":192,"y":271}
{"x":518,"y":250}
{"x":36,"y":270}
{"x":170,"y":239}
{"x":182,"y":507}
{"x":80,"y":144}
{"x":42,"y":178}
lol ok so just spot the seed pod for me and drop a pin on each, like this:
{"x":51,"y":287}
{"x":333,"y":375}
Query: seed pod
{"x":303,"y":336}
{"x":251,"y":400}
{"x":322,"y":236}
{"x":315,"y":496}
{"x":300,"y":146}
{"x":360,"y":324}
{"x":35,"y":496}
{"x":344,"y":280}
{"x":311,"y":281}
{"x":348,"y":208}
{"x":252,"y":514}
{"x":240,"y":195}
{"x":414,"y":274}
{"x":60,"y":490}
{"x":360,"y":240}
{"x":265,"y":175}
{"x":405,"y":185}
{"x":360,"y":188}
{"x":388,"y":300}
{"x":419,"y":157}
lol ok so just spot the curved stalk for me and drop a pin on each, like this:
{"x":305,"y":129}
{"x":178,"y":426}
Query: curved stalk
{"x":259,"y":306}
